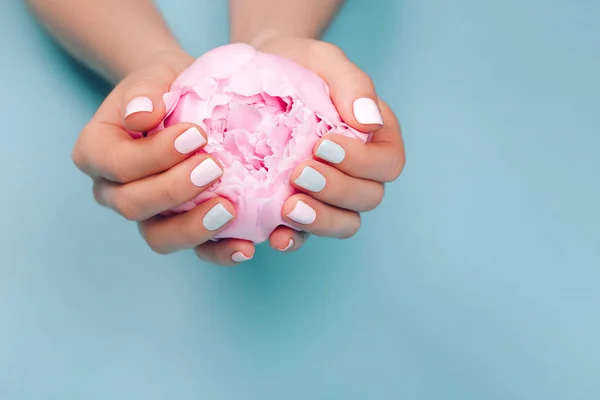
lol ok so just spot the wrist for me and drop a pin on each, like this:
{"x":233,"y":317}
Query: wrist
{"x":168,"y":53}
{"x":259,"y":39}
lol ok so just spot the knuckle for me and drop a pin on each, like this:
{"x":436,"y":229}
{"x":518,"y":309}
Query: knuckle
{"x":159,"y":158}
{"x":97,"y":192}
{"x":78,"y":154}
{"x":78,"y":158}
{"x":191,"y":233}
{"x":124,"y":206}
{"x":395,"y":168}
{"x":353,"y":227}
{"x":320,"y":48}
{"x":119,"y":162}
{"x":169,"y":193}
{"x":145,"y":82}
{"x":114,"y":166}
{"x":377,"y":197}
{"x":157,"y":247}
{"x":148,"y":232}
{"x":360,"y":79}
{"x":200,"y":254}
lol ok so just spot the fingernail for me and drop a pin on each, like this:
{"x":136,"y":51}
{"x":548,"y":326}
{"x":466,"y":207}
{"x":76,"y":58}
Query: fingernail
{"x":330,"y":152}
{"x":239,"y":257}
{"x":303,"y":214}
{"x":289,"y":246}
{"x":189,"y":141}
{"x":139,"y":104}
{"x":310,"y":179}
{"x":216,"y":218}
{"x":206,"y":172}
{"x":366,"y":111}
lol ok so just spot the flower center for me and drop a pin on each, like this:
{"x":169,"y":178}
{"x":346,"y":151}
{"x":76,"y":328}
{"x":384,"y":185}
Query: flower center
{"x":252,"y":130}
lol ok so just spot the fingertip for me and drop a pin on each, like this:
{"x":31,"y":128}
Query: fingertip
{"x":139,"y":104}
{"x":329,"y":149}
{"x":229,"y":207}
{"x":237,"y":251}
{"x":226,"y":252}
{"x":143,"y":112}
{"x":290,"y":244}
{"x":282,"y":239}
{"x":192,"y":139}
{"x":367,"y":113}
{"x":298,"y":210}
{"x":241,"y":256}
{"x":219,"y":215}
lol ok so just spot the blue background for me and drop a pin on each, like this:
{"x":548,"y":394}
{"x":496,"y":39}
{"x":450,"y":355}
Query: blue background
{"x":478,"y":277}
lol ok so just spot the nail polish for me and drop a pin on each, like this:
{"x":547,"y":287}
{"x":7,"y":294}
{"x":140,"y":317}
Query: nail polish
{"x":303,"y":214}
{"x":366,"y":111}
{"x":239,"y":257}
{"x":330,"y":152}
{"x":289,"y":246}
{"x":139,"y":104}
{"x":189,"y":141}
{"x":206,"y":172}
{"x":216,"y":218}
{"x":311,"y":180}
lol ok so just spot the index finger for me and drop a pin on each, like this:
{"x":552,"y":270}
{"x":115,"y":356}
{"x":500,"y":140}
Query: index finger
{"x":107,"y":151}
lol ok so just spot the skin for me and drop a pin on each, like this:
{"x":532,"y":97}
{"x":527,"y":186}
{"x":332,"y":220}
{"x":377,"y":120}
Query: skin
{"x":128,"y":43}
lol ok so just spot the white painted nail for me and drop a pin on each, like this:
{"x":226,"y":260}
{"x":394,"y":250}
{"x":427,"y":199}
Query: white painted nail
{"x":289,"y":246}
{"x":206,"y":172}
{"x":330,"y":152}
{"x":239,"y":257}
{"x":310,"y":179}
{"x":216,"y":218}
{"x":139,"y":104}
{"x":189,"y":141}
{"x":366,"y":111}
{"x":303,"y":213}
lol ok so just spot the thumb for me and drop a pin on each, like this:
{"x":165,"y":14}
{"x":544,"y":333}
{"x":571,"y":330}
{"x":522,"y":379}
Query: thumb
{"x":352,"y":90}
{"x":142,"y":97}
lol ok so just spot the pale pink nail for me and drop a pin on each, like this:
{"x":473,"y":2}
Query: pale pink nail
{"x":139,"y":104}
{"x":189,"y":141}
{"x":303,"y":214}
{"x":239,"y":257}
{"x":289,"y":246}
{"x":366,"y":111}
{"x":206,"y":172}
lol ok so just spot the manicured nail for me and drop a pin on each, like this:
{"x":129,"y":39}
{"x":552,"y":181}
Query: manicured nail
{"x":289,"y":246}
{"x":206,"y":172}
{"x":216,"y":218}
{"x":330,"y":152}
{"x":310,"y":179}
{"x":303,"y":214}
{"x":239,"y":257}
{"x":366,"y":111}
{"x":189,"y":141}
{"x":139,"y":104}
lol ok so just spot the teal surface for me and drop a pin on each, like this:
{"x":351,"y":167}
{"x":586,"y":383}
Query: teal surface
{"x":478,"y":277}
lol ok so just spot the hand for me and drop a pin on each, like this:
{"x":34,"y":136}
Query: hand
{"x":346,"y":177}
{"x":141,"y":178}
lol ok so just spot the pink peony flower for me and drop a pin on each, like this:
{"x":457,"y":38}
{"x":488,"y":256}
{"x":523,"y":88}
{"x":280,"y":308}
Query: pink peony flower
{"x":263,"y":115}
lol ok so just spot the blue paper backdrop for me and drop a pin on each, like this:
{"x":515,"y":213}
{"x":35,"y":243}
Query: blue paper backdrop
{"x":478,"y":278}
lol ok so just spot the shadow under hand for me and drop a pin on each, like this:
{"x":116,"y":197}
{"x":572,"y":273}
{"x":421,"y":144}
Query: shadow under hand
{"x":273,"y":290}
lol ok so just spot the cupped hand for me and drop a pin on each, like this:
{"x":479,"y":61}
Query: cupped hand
{"x":144,"y":177}
{"x":346,"y":177}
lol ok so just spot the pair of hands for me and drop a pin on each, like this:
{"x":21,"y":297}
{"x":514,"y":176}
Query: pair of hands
{"x":142,"y":178}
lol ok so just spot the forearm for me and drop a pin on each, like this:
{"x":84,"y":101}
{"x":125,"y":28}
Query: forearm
{"x":111,"y":37}
{"x":254,"y":21}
